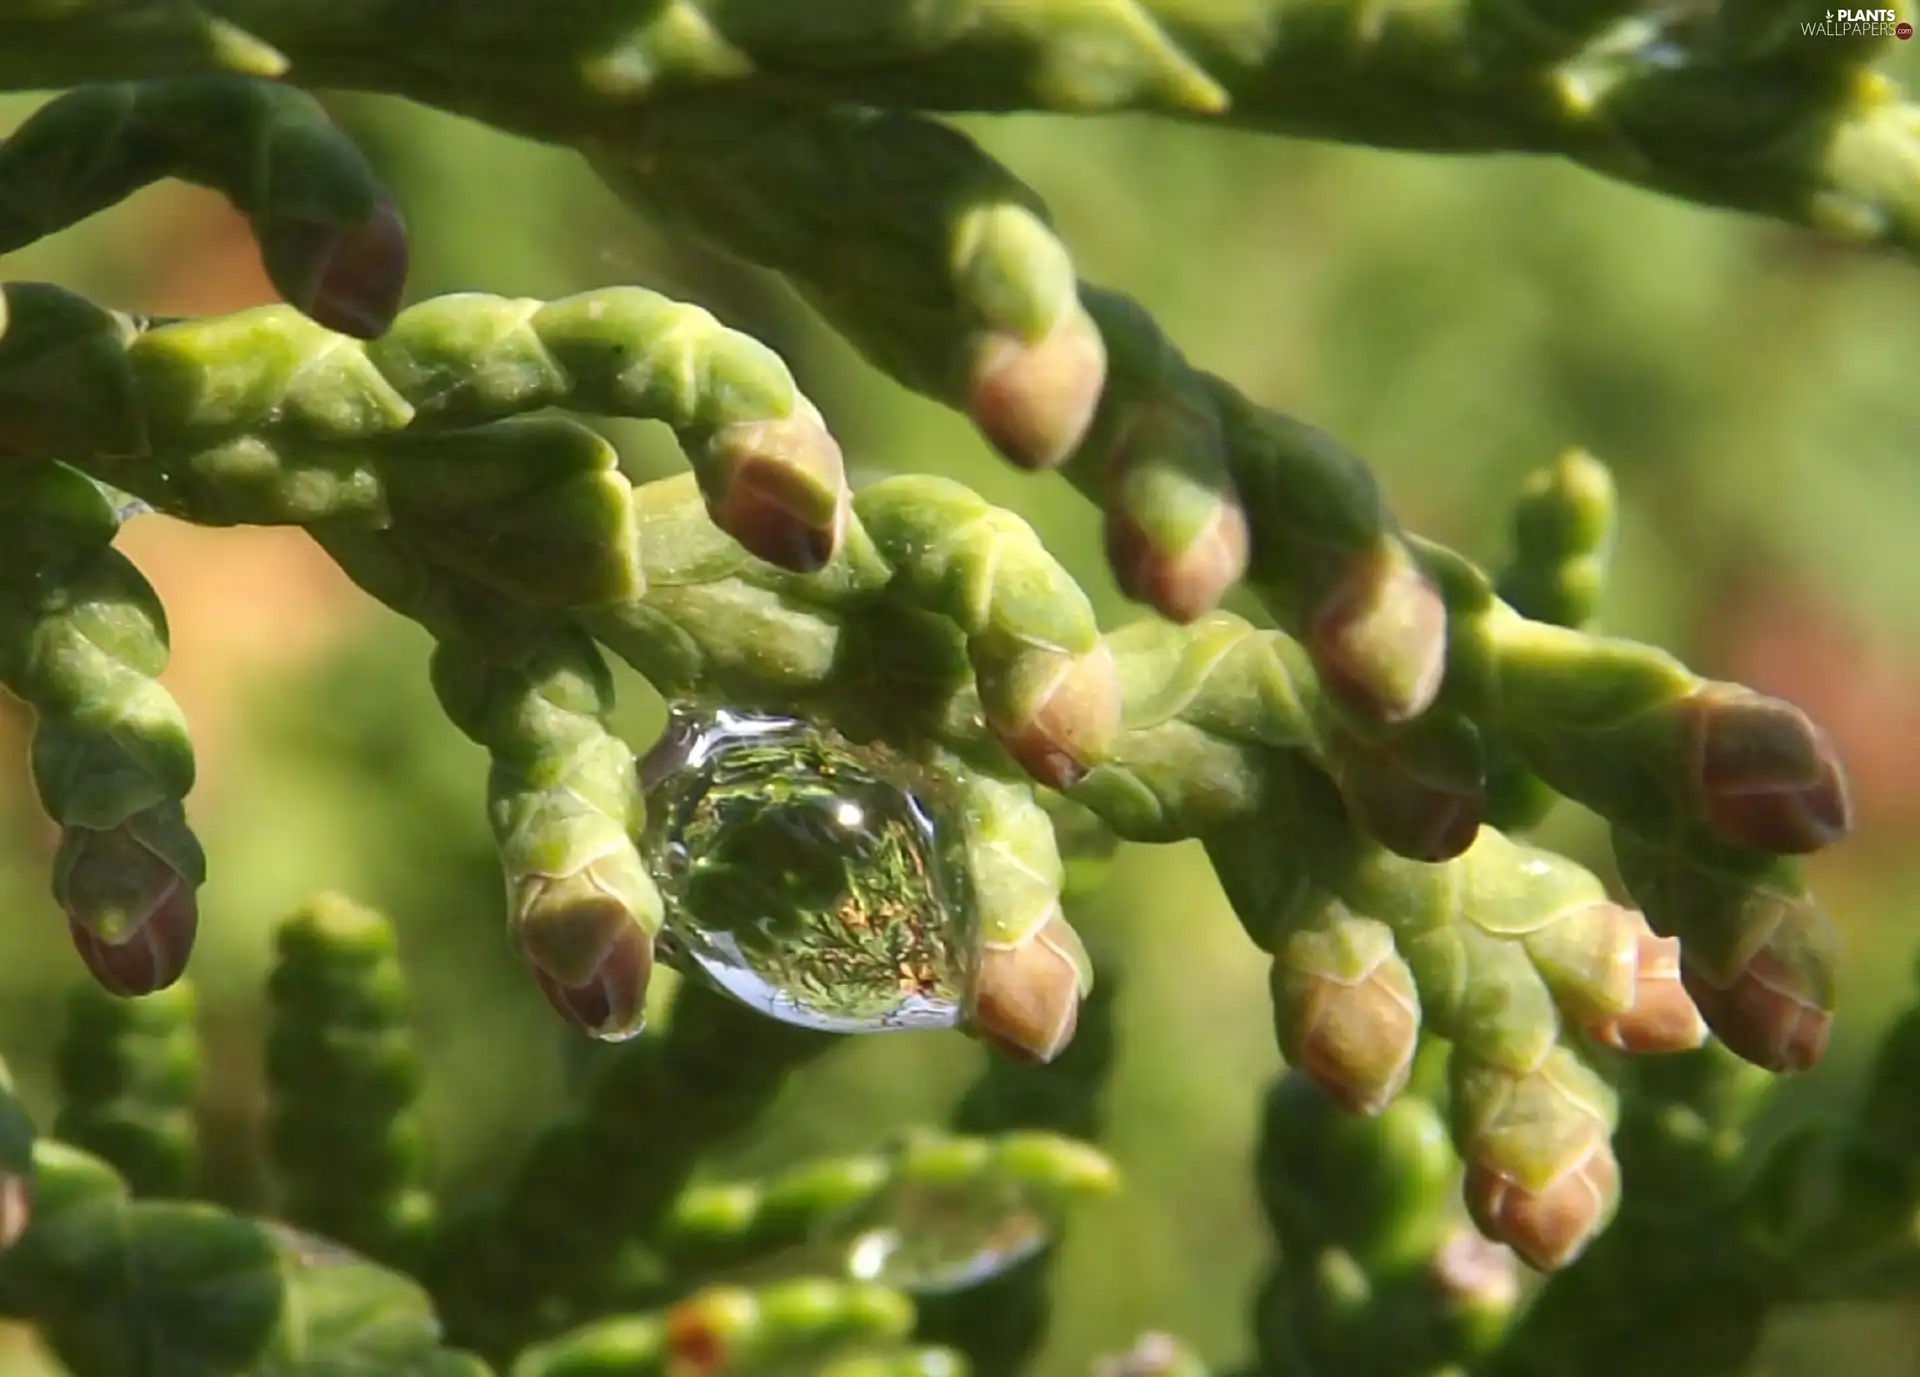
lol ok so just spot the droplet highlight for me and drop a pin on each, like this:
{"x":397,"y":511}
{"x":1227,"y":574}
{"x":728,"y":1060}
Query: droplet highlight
{"x":814,"y":879}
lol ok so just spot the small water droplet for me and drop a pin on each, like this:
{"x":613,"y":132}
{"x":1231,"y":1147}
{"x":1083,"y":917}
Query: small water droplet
{"x":811,"y":878}
{"x":929,"y":1238}
{"x":617,"y":1035}
{"x":126,"y":508}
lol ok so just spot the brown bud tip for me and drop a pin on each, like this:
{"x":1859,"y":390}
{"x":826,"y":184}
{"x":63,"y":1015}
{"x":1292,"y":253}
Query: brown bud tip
{"x":1027,"y":1002}
{"x":1033,"y":400}
{"x":149,"y":960}
{"x":1475,"y":1272}
{"x":1379,"y":637}
{"x":1663,"y":1016}
{"x":1424,"y":805}
{"x":1152,"y":1355}
{"x":131,"y":916}
{"x":604,"y":995}
{"x":1551,"y":1226}
{"x":16,"y":1208}
{"x":1062,"y":713}
{"x":1763,"y":1014}
{"x":1769,"y":778}
{"x":610,"y":1005}
{"x":1355,"y":1037}
{"x":1182,"y":585}
{"x":700,"y":1331}
{"x":347,"y":278}
{"x":782,"y":490}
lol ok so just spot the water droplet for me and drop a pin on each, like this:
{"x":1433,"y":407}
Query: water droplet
{"x":933,"y":1237}
{"x":127,"y":507}
{"x":616,"y":1036}
{"x":815,"y":880}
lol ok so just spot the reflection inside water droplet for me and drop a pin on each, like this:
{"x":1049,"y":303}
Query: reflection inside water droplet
{"x":808,"y":877}
{"x":947,"y":1237}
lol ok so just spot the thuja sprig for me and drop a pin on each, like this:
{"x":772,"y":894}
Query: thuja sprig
{"x":1001,"y":1322}
{"x":117,"y":1285}
{"x":344,"y":1131}
{"x":1684,"y":1226}
{"x":1193,"y":693}
{"x":808,"y":1322}
{"x":1745,"y":1225}
{"x":968,"y":297}
{"x":83,"y":639}
{"x":1563,"y":535}
{"x":266,"y":418}
{"x":1371,"y":952}
{"x":1066,"y":1095}
{"x":1729,"y":107}
{"x":146,"y":1288}
{"x":942,"y":626}
{"x":1387,"y":623}
{"x":606,"y":1173}
{"x":1376,"y":1269}
{"x":1376,"y":1272}
{"x":563,"y":799}
{"x":1361,"y":731}
{"x":1563,"y":532}
{"x":129,"y":1074}
{"x":330,"y":237}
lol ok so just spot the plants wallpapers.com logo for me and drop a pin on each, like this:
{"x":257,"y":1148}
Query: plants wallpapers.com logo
{"x":1859,"y":24}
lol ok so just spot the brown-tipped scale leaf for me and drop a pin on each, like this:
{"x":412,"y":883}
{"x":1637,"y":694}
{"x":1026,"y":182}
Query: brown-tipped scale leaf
{"x":330,"y":236}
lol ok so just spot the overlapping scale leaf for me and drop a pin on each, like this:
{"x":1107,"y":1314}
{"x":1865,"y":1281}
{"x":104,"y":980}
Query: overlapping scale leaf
{"x":1563,"y":532}
{"x":344,"y":1131}
{"x":1711,"y":790}
{"x":265,"y":417}
{"x":1002,"y":1322}
{"x":735,"y":1330}
{"x":130,"y":1074}
{"x":1504,"y":953}
{"x":967,"y":296}
{"x":1684,"y":1146}
{"x":1768,"y":112}
{"x":603,"y":1176}
{"x":117,"y":1285}
{"x":563,"y":800}
{"x":1375,"y":1270}
{"x":330,"y":237}
{"x":83,"y":640}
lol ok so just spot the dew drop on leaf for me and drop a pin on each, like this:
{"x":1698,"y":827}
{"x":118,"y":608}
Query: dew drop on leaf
{"x":931,"y":1237}
{"x":811,"y":878}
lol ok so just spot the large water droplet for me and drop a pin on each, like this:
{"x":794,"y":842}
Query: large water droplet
{"x":932,"y":1237}
{"x":812,"y":879}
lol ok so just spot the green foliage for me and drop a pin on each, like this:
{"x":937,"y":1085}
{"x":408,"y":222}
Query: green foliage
{"x":818,"y":1267}
{"x":1471,"y":1019}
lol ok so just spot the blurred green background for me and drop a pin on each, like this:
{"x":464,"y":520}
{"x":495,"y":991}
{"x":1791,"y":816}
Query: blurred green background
{"x":1456,"y":321}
